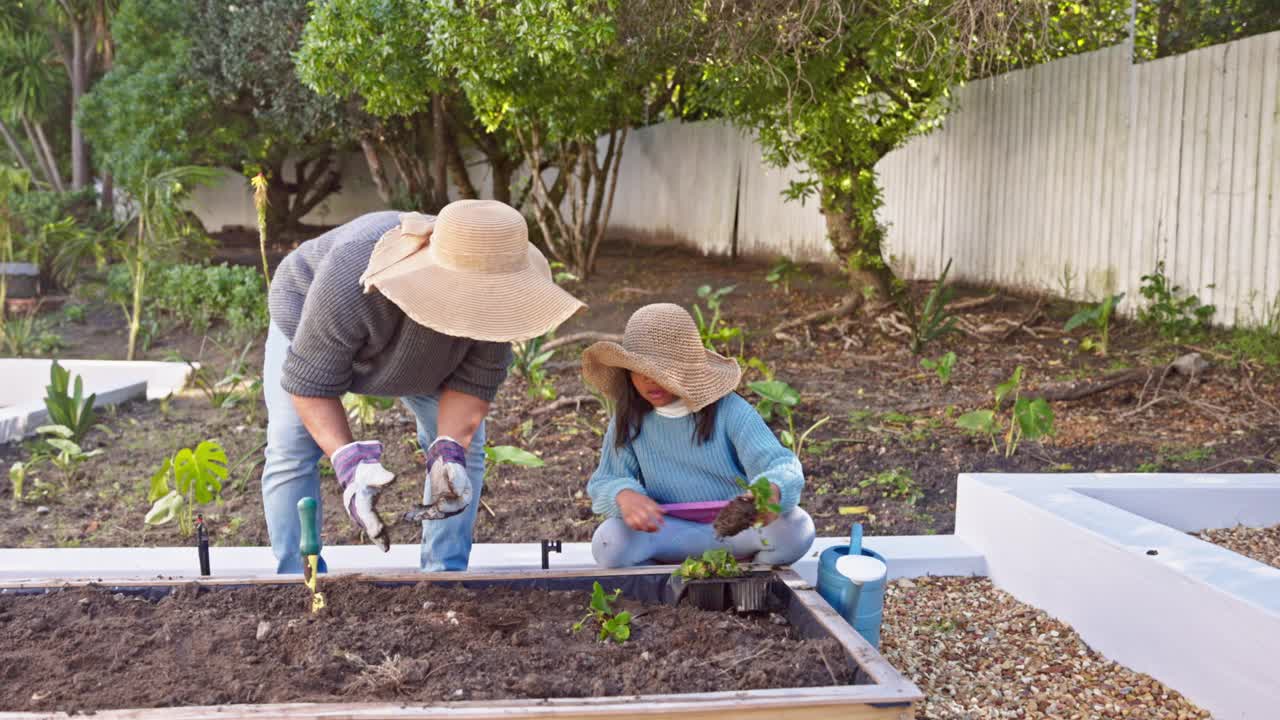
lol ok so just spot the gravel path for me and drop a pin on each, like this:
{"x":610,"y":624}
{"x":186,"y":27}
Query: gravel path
{"x":1261,"y":544}
{"x":979,"y":654}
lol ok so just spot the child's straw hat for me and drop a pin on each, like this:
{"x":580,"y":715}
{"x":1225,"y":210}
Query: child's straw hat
{"x":470,"y":272}
{"x":661,"y":341}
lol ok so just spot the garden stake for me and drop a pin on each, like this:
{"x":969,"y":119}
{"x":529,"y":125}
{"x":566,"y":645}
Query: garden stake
{"x":309,"y":546}
{"x":202,"y":545}
{"x":548,"y":547}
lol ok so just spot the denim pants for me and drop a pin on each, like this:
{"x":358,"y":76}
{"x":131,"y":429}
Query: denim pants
{"x":291,"y":473}
{"x":781,"y":542}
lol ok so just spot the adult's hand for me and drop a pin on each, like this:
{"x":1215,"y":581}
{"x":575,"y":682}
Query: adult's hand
{"x":639,"y":512}
{"x":447,"y":474}
{"x":360,"y":473}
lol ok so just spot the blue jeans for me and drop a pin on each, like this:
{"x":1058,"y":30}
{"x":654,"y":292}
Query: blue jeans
{"x":291,"y":473}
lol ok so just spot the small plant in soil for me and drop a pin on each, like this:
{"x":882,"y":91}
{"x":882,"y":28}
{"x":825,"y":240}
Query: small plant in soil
{"x":613,"y":625}
{"x":747,"y":510}
{"x":58,"y":448}
{"x":896,"y":483}
{"x":777,"y":396}
{"x":1031,"y":419}
{"x":236,"y":386}
{"x":712,"y":564}
{"x":711,"y":326}
{"x":28,"y":488}
{"x":189,"y":478}
{"x":1099,"y":316}
{"x":363,"y":409}
{"x":495,"y":455}
{"x":783,"y":273}
{"x":941,"y":367}
{"x":70,"y":410}
{"x":1174,"y":315}
{"x":929,"y":321}
{"x":528,"y":359}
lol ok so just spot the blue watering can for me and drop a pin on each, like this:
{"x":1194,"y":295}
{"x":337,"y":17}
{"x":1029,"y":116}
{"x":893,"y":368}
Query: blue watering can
{"x":851,"y":579}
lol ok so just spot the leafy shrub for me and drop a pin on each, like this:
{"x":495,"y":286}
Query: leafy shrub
{"x":189,"y":478}
{"x":197,"y":296}
{"x":1174,"y":315}
{"x":1032,"y":419}
{"x":1099,"y":316}
{"x":932,"y":320}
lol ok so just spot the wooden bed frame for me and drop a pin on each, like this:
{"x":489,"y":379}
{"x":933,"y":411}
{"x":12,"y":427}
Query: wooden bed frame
{"x":886,"y":694}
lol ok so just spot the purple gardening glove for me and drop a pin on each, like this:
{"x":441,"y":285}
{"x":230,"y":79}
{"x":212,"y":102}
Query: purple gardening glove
{"x":447,"y":477}
{"x":362,"y":476}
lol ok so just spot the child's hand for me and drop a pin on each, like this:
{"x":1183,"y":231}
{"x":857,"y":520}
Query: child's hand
{"x":639,"y":512}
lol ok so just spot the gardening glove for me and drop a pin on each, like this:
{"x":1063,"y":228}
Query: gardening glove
{"x":447,"y":476}
{"x":362,"y":477}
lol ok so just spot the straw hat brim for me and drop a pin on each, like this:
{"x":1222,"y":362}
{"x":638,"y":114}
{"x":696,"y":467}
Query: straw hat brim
{"x":605,"y":366}
{"x":494,"y":307}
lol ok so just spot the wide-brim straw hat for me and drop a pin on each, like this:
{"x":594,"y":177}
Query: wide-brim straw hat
{"x":469,"y":272}
{"x":661,"y":341}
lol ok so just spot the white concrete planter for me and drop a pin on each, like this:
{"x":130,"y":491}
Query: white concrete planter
{"x":22,"y":391}
{"x":1110,"y":555}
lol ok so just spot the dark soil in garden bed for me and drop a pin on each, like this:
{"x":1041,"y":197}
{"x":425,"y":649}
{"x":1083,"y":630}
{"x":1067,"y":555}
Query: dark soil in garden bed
{"x":88,"y":649}
{"x":888,"y":457}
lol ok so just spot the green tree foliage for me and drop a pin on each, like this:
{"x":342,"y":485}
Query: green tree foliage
{"x":212,"y":83}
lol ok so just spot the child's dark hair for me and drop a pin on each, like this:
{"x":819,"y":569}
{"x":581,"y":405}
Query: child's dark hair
{"x":632,"y":408}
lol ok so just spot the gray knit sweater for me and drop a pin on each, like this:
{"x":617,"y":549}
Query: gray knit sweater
{"x":344,"y":340}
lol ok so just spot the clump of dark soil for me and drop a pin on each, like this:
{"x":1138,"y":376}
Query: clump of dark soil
{"x":87,"y":649}
{"x":735,"y":517}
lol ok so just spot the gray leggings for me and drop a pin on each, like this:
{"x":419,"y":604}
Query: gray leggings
{"x":781,"y":542}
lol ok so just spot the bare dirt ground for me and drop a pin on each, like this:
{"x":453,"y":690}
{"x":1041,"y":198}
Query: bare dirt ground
{"x":888,"y":457}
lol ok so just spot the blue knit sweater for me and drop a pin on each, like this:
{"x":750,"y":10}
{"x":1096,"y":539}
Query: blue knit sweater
{"x":664,"y":463}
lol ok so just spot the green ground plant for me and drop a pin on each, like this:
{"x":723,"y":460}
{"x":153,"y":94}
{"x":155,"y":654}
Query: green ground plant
{"x":778,"y":397}
{"x":528,"y":360}
{"x":29,"y":335}
{"x":1175,"y":315}
{"x":783,"y":273}
{"x":613,"y":625}
{"x":237,"y":385}
{"x":718,"y":563}
{"x":712,"y":327}
{"x":197,"y":296}
{"x":931,"y":320}
{"x":67,"y":405}
{"x":761,"y":492}
{"x":495,"y":455}
{"x":1030,"y":419}
{"x":941,"y":367}
{"x":191,"y":477}
{"x":896,"y":483}
{"x":59,"y":449}
{"x":364,"y":409}
{"x":1098,"y":316}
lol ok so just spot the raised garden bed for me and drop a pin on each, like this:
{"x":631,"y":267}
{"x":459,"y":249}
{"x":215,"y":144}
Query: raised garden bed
{"x":473,"y":645}
{"x":1259,"y":543}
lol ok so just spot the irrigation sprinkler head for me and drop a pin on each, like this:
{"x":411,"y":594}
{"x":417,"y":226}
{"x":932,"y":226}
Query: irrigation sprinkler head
{"x":202,"y":545}
{"x":548,"y":547}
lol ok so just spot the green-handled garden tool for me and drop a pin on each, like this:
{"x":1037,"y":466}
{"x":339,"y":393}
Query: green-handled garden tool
{"x":309,"y":546}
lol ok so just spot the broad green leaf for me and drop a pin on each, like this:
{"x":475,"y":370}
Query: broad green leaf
{"x":776,"y":391}
{"x":1009,"y":386}
{"x":978,"y":421}
{"x":65,"y":446}
{"x":60,"y":430}
{"x":1088,"y":315}
{"x":165,"y":509}
{"x":159,"y":486}
{"x":1034,"y":417}
{"x":509,"y":454}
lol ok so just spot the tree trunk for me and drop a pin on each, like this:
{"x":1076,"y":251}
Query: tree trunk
{"x":439,"y":155}
{"x":48,"y":164}
{"x":376,"y":169}
{"x":79,"y":85}
{"x":277,"y":216}
{"x":108,"y":200}
{"x":15,"y":148}
{"x":502,"y":172}
{"x":858,"y":241}
{"x":458,"y":168}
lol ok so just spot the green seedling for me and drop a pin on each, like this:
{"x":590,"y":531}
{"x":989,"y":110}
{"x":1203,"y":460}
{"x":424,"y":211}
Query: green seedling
{"x":236,"y":386}
{"x":942,"y":367}
{"x":1099,"y":316}
{"x":613,"y":625}
{"x":1031,"y":420}
{"x":896,"y":483}
{"x":711,"y":327}
{"x":363,"y":409}
{"x":782,"y":273}
{"x":73,"y":410}
{"x":189,"y":478}
{"x":1175,"y":315}
{"x":713,"y":564}
{"x":63,"y":452}
{"x":932,"y":320}
{"x":777,"y":396}
{"x":761,"y":492}
{"x":527,"y":360}
{"x":495,"y":455}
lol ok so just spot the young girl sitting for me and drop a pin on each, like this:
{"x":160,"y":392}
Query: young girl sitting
{"x":681,"y":434}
